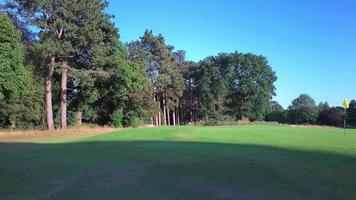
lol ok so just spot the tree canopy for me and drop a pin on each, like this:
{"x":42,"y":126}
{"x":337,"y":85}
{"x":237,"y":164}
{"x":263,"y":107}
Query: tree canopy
{"x":14,"y":78}
{"x":303,"y":110}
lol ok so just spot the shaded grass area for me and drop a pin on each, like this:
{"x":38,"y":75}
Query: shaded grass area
{"x":247,"y":162}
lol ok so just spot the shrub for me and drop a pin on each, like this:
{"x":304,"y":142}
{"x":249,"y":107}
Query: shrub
{"x":134,"y":121}
{"x":276,"y":116}
{"x":116,"y":118}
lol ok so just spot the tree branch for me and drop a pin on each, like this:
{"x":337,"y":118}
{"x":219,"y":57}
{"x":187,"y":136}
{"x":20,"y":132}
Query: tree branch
{"x":98,"y":73}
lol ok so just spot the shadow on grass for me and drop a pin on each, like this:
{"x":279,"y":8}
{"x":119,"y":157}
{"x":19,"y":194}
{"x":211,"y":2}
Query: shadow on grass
{"x":171,"y":170}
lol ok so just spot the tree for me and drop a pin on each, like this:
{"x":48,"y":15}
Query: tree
{"x":276,"y":107}
{"x":20,"y":105}
{"x":323,"y":106}
{"x":276,"y":113}
{"x":15,"y":79}
{"x":351,"y":114}
{"x":251,"y":85}
{"x":209,"y":88}
{"x":160,"y":64}
{"x":123,"y":90}
{"x":331,"y":117}
{"x":302,"y":110}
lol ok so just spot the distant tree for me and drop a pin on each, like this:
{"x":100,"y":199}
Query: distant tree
{"x":276,"y":113}
{"x":276,"y":107}
{"x":351,"y":114}
{"x":302,"y":110}
{"x":323,"y":106}
{"x":251,"y":85}
{"x":161,"y":66}
{"x":188,"y":107}
{"x":331,"y":117}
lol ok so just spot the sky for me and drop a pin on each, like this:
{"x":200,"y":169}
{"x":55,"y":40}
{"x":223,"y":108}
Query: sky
{"x":310,"y":44}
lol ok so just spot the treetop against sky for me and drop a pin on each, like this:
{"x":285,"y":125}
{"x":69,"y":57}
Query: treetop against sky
{"x":310,"y":44}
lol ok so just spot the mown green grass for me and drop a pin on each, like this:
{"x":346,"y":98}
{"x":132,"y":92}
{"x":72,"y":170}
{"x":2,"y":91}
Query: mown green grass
{"x":233,"y":162}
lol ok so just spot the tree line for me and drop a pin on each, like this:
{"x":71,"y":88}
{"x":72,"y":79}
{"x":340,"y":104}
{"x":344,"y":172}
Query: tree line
{"x":304,"y":110}
{"x":62,"y":63}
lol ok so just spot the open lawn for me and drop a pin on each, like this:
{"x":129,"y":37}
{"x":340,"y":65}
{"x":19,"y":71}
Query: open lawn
{"x":233,"y":162}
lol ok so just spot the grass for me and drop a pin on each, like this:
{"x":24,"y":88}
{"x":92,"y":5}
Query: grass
{"x":232,"y":162}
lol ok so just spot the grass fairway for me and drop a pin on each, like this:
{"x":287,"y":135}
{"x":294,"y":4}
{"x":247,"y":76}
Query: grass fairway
{"x":235,"y":162}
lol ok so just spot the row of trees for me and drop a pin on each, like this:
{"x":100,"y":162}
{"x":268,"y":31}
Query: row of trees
{"x":62,"y":63}
{"x":75,"y":69}
{"x":304,"y":110}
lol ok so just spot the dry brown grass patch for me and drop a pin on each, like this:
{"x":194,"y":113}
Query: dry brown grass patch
{"x":77,"y":131}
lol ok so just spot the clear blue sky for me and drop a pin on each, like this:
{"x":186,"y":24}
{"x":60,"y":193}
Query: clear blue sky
{"x":311,"y":44}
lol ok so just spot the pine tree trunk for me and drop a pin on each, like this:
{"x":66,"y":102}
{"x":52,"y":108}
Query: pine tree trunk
{"x":195,"y":110}
{"x":174,"y":116}
{"x":159,"y":119}
{"x":168,"y":117}
{"x":178,"y":116}
{"x":164,"y":111}
{"x":48,"y":95}
{"x":63,"y":107}
{"x":154,"y":117}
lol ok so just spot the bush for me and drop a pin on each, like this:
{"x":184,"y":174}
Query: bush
{"x":276,"y":116}
{"x":134,"y":121}
{"x":218,"y":120}
{"x":116,"y":118}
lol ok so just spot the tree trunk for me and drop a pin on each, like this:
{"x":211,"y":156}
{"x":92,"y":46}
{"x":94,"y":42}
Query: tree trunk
{"x":178,"y":116}
{"x":164,"y":111}
{"x":174,"y":116}
{"x":64,"y":95}
{"x":159,"y":119}
{"x":168,"y":117}
{"x":48,"y":95}
{"x":154,"y":116}
{"x":78,"y":117}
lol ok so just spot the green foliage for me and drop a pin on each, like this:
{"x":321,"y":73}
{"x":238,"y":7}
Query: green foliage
{"x":218,"y":120}
{"x":20,"y":98}
{"x":123,"y":89}
{"x":134,"y":121}
{"x":331,"y":116}
{"x":116,"y":118}
{"x":276,"y":114}
{"x":162,"y":70}
{"x":251,"y":85}
{"x":14,"y":78}
{"x":302,"y":110}
{"x":238,"y":84}
{"x":210,"y":88}
{"x":351,"y":113}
